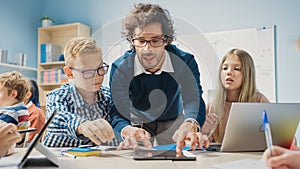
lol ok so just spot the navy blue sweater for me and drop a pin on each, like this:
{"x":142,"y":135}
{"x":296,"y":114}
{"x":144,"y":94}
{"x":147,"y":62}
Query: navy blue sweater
{"x":153,"y":97}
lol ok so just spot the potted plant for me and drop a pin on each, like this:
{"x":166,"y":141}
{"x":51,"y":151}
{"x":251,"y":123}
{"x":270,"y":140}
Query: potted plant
{"x":46,"y":21}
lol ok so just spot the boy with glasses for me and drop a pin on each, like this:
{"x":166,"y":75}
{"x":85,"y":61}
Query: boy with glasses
{"x":155,"y":85}
{"x":82,"y":104}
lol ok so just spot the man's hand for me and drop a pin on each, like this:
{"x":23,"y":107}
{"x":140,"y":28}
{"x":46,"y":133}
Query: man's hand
{"x":188,"y":132}
{"x":133,"y":134}
{"x":97,"y":131}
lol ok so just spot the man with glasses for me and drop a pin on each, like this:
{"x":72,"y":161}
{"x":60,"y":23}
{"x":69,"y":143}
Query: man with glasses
{"x":83,"y":103}
{"x":155,"y":86}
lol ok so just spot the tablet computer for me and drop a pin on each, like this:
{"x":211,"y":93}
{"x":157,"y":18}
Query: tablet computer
{"x":163,"y":155}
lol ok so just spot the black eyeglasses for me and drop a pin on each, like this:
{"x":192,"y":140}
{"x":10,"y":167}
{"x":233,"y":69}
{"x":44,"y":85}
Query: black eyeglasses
{"x":155,"y":42}
{"x":90,"y":73}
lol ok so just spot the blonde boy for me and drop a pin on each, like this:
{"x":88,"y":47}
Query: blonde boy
{"x":82,"y":104}
{"x":13,"y":89}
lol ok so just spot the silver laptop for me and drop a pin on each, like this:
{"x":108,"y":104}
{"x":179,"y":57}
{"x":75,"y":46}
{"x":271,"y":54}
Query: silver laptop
{"x":244,"y":130}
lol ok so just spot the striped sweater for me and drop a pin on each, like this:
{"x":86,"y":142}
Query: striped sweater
{"x":16,"y":114}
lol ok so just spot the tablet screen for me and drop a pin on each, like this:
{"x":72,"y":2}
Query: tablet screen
{"x":36,"y":140}
{"x":162,"y":155}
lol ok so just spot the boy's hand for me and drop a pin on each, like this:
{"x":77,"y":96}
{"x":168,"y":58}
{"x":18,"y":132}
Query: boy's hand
{"x":97,"y":131}
{"x":9,"y":135}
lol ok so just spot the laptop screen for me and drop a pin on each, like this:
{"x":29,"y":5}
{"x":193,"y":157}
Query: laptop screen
{"x":244,"y":130}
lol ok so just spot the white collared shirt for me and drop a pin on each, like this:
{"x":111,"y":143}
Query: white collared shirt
{"x":166,"y":66}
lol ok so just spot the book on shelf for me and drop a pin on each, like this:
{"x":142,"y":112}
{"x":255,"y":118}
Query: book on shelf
{"x":50,"y":52}
{"x":53,"y":76}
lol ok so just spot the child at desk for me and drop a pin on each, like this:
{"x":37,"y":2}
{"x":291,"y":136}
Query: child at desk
{"x":236,"y":83}
{"x":82,"y":104}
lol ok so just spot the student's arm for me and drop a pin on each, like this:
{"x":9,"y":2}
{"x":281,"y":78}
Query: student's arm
{"x":282,"y":158}
{"x":62,"y":130}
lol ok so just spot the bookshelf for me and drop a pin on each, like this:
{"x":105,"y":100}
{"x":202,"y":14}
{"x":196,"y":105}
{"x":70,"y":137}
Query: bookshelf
{"x":58,"y":35}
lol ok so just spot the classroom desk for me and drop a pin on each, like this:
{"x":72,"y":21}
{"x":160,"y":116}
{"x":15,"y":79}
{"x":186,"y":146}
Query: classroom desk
{"x":207,"y":159}
{"x":124,"y":161}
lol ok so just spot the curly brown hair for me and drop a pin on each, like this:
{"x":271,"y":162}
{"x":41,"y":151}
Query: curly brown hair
{"x":15,"y":81}
{"x":144,"y":14}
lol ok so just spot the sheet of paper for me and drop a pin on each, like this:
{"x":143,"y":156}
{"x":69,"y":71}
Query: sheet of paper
{"x":246,"y":163}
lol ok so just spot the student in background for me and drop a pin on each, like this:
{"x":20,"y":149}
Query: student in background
{"x":154,"y":82}
{"x":13,"y":89}
{"x":83,"y":103}
{"x":9,"y":136}
{"x":281,"y":158}
{"x":236,"y":83}
{"x":36,"y":114}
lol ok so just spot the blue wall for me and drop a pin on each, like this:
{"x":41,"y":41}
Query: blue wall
{"x":20,"y":20}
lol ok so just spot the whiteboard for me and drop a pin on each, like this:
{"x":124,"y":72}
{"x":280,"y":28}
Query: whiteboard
{"x":258,"y":42}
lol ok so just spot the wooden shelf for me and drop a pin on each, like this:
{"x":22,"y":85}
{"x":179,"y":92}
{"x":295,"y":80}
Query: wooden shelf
{"x":51,"y":65}
{"x":46,"y":85}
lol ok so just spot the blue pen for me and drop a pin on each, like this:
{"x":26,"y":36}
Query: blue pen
{"x":267,"y":130}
